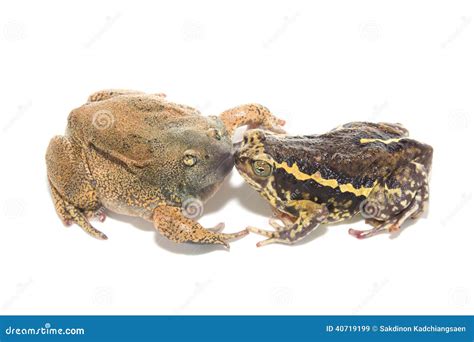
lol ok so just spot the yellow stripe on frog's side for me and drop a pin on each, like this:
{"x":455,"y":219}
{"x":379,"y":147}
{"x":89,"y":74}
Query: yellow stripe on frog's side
{"x":388,"y":141}
{"x":333,"y":183}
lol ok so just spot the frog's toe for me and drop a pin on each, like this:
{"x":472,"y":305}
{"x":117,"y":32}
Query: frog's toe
{"x":263,"y":232}
{"x":217,"y":228}
{"x":373,"y":222}
{"x":233,"y":236}
{"x":68,"y":222}
{"x":81,"y":219}
{"x":391,"y":226}
{"x":275,"y":223}
{"x":224,"y":238}
{"x":362,"y":234}
{"x":275,"y":240}
{"x":222,"y":242}
{"x":266,"y":242}
{"x":275,"y":125}
{"x":273,"y":237}
{"x":102,"y":217}
{"x":98,"y":214}
{"x":89,"y":229}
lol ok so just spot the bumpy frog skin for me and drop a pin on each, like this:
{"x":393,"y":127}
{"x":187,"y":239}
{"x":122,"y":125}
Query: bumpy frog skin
{"x":141,"y":155}
{"x":360,"y":167}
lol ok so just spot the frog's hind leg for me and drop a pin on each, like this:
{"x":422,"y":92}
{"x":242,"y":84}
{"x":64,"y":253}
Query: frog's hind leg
{"x":69,"y":214}
{"x":72,"y":190}
{"x":391,"y":225}
{"x":60,"y":206}
{"x":403,"y":195}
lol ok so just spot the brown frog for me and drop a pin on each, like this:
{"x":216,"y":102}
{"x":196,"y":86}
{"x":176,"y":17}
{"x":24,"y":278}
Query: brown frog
{"x":141,"y":155}
{"x":360,"y":167}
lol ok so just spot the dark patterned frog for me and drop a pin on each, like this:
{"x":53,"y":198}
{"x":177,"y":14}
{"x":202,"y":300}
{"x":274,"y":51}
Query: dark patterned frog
{"x":369,"y":168}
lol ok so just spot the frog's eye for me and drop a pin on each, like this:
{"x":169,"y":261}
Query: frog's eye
{"x":190,"y":158}
{"x":215,"y":133}
{"x":262,"y":168}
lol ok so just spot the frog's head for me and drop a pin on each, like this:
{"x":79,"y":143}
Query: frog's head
{"x":253,"y":162}
{"x":202,"y":157}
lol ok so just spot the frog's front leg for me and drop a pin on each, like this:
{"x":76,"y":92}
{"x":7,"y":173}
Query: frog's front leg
{"x":280,"y":216}
{"x":171,"y":222}
{"x":310,"y":216}
{"x":252,"y":115}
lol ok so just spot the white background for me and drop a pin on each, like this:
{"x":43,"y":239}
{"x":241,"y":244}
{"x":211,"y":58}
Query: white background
{"x":315,"y":64}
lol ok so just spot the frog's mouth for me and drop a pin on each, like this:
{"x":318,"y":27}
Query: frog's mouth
{"x":222,"y":169}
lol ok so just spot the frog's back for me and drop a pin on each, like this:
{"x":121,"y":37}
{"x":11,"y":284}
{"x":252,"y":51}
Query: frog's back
{"x":130,"y":112}
{"x":354,"y":150}
{"x":123,"y":121}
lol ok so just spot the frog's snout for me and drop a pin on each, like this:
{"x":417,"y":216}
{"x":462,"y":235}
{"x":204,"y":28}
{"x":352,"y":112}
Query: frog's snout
{"x":236,"y":146}
{"x":225,"y":164}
